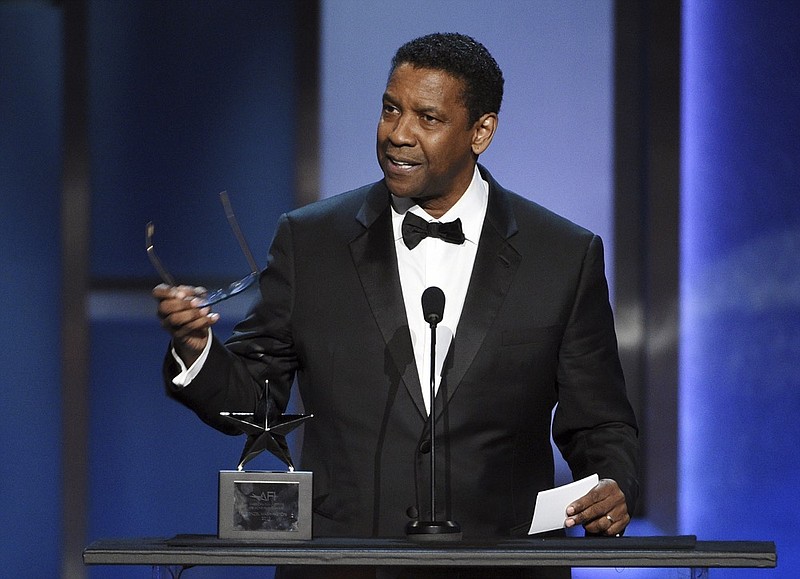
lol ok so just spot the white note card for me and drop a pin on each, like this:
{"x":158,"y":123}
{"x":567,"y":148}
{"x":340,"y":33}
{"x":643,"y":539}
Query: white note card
{"x":551,"y":505}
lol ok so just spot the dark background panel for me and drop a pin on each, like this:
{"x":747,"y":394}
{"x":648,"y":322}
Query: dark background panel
{"x":30,"y":282}
{"x":188,"y":99}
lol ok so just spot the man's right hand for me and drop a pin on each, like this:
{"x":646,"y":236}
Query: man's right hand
{"x":186,"y":323}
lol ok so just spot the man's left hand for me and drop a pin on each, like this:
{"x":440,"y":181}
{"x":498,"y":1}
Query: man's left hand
{"x":602,"y":511}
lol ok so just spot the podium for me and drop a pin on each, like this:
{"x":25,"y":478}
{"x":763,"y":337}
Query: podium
{"x":166,"y":555}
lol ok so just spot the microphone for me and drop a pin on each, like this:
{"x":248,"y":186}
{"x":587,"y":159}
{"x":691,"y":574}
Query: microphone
{"x":433,"y":305}
{"x":433,"y":530}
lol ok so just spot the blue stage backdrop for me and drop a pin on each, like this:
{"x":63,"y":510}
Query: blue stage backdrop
{"x":30,"y":281}
{"x":740,"y":305}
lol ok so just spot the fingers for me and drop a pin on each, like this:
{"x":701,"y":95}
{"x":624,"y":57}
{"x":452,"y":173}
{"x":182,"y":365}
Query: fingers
{"x":611,"y":524}
{"x":164,"y":291}
{"x":189,"y":323}
{"x":602,"y":511}
{"x":615,"y":525}
{"x":180,"y":315}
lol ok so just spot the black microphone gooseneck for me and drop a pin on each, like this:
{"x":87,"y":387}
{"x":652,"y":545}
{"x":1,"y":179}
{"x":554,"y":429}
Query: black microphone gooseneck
{"x":433,"y":530}
{"x":433,"y":310}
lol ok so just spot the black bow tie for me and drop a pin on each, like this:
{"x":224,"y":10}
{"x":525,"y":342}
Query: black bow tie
{"x":415,"y":229}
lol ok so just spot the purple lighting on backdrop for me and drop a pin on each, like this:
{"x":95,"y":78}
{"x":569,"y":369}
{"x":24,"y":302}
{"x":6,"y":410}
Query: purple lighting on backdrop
{"x":740,"y":275}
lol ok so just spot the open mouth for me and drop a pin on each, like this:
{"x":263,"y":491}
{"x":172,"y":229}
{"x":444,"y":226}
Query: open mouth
{"x":402,"y":164}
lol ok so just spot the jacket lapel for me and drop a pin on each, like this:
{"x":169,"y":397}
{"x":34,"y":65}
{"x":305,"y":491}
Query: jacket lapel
{"x":376,"y":262}
{"x":495,"y":266}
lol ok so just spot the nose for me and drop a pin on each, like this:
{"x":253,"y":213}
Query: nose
{"x":401,"y":132}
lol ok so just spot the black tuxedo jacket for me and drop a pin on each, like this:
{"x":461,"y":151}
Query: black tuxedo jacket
{"x":536,"y":333}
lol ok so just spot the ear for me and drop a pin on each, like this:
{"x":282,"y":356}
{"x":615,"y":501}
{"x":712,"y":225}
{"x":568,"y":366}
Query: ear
{"x":484,"y":129}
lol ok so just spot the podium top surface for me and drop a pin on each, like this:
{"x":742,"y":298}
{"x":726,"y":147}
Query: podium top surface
{"x":682,"y":551}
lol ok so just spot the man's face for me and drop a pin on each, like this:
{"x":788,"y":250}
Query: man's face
{"x":425,"y":145}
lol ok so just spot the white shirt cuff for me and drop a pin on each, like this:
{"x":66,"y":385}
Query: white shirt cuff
{"x":186,"y":375}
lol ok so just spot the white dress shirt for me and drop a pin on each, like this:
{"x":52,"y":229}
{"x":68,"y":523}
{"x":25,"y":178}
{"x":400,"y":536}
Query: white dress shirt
{"x":435,"y":262}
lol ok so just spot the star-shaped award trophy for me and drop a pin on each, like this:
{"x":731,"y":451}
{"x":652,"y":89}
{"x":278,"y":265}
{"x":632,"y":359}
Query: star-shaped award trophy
{"x":265,"y":506}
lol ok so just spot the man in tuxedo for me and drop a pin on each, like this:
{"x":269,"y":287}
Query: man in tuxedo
{"x":527,"y":327}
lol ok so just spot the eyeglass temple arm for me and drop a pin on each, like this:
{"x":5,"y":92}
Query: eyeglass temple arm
{"x":237,"y":232}
{"x":166,"y":277}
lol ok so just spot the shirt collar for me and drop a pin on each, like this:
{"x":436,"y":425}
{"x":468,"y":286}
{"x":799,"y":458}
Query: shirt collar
{"x":470,"y":208}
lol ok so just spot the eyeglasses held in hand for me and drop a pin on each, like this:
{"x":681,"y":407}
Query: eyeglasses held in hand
{"x":218,"y":295}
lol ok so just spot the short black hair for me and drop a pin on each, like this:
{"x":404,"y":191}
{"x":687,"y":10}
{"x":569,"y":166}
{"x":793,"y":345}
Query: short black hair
{"x":464,"y":58}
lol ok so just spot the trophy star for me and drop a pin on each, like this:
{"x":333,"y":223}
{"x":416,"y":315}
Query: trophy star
{"x":271,"y":435}
{"x":285,"y":423}
{"x":258,"y":443}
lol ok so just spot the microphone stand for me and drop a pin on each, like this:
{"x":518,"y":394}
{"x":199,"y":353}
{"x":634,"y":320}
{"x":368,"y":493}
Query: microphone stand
{"x":433,"y":530}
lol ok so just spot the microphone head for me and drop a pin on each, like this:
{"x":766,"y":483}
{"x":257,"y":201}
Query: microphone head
{"x":433,"y":305}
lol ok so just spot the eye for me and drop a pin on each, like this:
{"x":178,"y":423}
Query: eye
{"x":430,"y":119}
{"x":389,"y":109}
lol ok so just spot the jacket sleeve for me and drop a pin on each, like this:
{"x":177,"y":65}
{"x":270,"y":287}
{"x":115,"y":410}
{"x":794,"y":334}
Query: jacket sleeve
{"x":594,"y":426}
